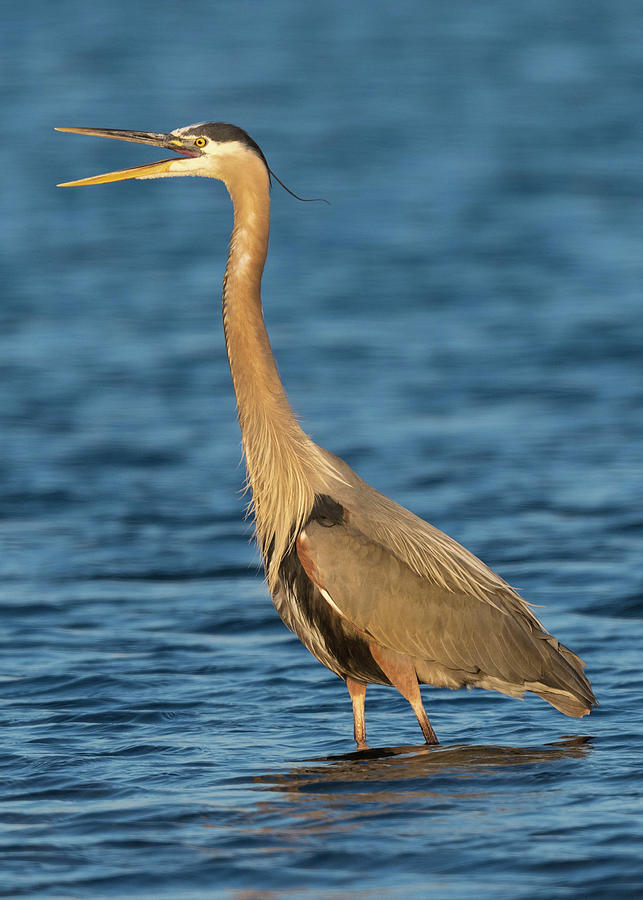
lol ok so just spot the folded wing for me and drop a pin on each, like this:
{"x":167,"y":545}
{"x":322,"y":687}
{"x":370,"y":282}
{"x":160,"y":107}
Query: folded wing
{"x":498,"y":644}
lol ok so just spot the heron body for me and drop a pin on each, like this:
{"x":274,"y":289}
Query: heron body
{"x":375,"y":593}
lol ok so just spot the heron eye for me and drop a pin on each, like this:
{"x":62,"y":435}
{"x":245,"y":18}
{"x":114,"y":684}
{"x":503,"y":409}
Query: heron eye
{"x":200,"y":142}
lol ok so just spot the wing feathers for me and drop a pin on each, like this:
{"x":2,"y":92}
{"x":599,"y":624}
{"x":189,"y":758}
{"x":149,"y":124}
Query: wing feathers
{"x":381,"y":596}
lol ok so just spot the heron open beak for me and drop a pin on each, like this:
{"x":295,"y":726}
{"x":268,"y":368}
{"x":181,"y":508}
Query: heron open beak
{"x":150,"y":170}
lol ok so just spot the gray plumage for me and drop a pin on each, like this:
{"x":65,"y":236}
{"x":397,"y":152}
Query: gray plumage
{"x":374,"y":592}
{"x":452,"y":638}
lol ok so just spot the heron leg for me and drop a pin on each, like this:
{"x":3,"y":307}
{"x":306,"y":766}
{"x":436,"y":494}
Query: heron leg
{"x":400,"y":671}
{"x":357,"y":691}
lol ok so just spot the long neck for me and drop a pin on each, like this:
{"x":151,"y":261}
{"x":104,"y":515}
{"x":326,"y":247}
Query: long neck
{"x":279,"y":456}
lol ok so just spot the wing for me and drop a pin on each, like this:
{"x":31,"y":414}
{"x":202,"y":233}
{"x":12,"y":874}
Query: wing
{"x":382,"y":597}
{"x":426,"y":550}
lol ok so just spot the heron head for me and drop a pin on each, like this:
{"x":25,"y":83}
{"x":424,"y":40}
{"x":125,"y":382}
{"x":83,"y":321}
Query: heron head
{"x":209,"y":149}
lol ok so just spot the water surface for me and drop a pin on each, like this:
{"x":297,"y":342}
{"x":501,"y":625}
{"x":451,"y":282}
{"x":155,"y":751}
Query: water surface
{"x":463,"y":325}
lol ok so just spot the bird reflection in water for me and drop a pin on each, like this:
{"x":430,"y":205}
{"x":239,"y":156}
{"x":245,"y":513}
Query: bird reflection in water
{"x":398,"y":800}
{"x":412,"y":766}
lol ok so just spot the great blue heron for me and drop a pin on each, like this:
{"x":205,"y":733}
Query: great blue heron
{"x":376,"y":594}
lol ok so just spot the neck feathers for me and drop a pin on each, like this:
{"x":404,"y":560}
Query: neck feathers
{"x":283,"y":464}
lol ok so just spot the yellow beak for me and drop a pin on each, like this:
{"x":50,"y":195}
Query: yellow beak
{"x":150,"y":170}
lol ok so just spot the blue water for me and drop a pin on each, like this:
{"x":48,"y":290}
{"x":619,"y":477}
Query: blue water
{"x":464,"y":324}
